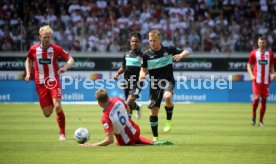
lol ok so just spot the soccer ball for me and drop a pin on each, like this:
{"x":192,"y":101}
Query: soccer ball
{"x":81,"y":135}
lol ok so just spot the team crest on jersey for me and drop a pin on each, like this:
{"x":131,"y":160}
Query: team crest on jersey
{"x":105,"y":125}
{"x":50,"y":54}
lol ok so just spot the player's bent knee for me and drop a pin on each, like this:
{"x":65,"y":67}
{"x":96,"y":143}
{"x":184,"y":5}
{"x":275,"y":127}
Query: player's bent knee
{"x":131,"y":98}
{"x":168,"y":97}
{"x":154,"y":111}
{"x":57,"y":106}
{"x":47,"y":114}
{"x":47,"y":111}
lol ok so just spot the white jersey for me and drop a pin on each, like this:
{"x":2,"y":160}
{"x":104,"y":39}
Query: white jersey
{"x":115,"y":118}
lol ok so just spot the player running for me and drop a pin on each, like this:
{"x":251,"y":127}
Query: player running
{"x":262,"y":61}
{"x":157,"y":61}
{"x":131,"y":69}
{"x":44,"y":56}
{"x":116,"y":122}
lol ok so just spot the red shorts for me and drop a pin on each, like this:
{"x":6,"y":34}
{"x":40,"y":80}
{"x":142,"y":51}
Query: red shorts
{"x":138,"y":139}
{"x":260,"y":89}
{"x":133,"y":140}
{"x":46,"y":94}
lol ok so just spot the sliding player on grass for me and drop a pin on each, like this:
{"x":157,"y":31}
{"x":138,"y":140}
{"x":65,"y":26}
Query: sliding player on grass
{"x":116,"y":122}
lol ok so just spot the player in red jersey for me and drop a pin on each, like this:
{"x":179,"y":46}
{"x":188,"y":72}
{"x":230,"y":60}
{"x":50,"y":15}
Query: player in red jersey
{"x":262,"y":62}
{"x":116,"y":122}
{"x":44,"y":56}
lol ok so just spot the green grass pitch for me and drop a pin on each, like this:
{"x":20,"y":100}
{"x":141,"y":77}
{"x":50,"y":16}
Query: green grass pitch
{"x":202,"y":133}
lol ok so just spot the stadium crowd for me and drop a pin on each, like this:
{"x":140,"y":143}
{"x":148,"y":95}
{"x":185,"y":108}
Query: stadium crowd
{"x":104,"y":25}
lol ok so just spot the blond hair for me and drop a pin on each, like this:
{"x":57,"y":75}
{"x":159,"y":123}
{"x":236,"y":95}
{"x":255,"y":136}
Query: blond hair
{"x":45,"y":29}
{"x":101,"y":95}
{"x":155,"y":33}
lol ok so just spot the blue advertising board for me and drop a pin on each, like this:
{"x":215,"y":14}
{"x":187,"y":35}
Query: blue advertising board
{"x":83,"y":91}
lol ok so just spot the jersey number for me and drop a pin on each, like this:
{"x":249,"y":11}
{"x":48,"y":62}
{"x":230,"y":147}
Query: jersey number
{"x":122,"y":119}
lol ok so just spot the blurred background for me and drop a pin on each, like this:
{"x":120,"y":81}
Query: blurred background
{"x":226,"y":26}
{"x":219,"y":34}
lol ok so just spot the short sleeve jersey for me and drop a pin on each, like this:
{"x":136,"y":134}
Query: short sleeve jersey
{"x":45,"y":61}
{"x":159,"y":63}
{"x":261,"y":62}
{"x":115,"y":119}
{"x":132,"y":62}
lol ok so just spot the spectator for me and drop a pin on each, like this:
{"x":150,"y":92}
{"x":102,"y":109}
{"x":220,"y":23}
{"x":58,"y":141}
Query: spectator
{"x":240,"y":19}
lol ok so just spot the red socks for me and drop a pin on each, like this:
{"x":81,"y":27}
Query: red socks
{"x":255,"y":106}
{"x":61,"y":121}
{"x":143,"y":140}
{"x":262,"y":110}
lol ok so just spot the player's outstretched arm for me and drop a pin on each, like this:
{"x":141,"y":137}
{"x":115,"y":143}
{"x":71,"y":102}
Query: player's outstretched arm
{"x":142,"y":74}
{"x":28,"y":67}
{"x":272,"y":72}
{"x":68,"y":65}
{"x":119,"y":72}
{"x":107,"y":141}
{"x":183,"y":54}
{"x":249,"y":70}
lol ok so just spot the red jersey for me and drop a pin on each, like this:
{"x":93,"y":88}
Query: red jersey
{"x":45,"y":62}
{"x":115,"y":119}
{"x":261,"y":62}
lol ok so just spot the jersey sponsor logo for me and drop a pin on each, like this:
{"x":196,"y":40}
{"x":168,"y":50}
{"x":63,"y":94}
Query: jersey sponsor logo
{"x":160,"y":62}
{"x":263,"y":62}
{"x":45,"y":61}
{"x":105,"y":125}
{"x":135,"y":62}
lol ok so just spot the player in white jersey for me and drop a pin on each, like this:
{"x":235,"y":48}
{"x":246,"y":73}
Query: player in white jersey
{"x":116,"y":122}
